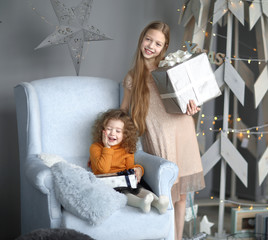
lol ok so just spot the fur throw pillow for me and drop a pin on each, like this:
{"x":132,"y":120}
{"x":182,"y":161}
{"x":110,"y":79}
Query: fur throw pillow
{"x":50,"y":159}
{"x":82,"y":194}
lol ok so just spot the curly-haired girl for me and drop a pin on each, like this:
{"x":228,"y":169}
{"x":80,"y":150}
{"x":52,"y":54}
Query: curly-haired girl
{"x":115,"y":137}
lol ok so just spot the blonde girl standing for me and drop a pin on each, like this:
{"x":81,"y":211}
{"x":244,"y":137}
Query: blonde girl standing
{"x":170,"y":136}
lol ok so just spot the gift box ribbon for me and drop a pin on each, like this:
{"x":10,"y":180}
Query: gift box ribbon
{"x":173,"y":58}
{"x":126,"y":173}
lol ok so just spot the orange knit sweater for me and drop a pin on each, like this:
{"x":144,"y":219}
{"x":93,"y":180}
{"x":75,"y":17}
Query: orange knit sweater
{"x":110,"y":160}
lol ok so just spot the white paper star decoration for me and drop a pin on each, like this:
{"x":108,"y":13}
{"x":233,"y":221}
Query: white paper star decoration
{"x":205,"y":225}
{"x":73,"y":30}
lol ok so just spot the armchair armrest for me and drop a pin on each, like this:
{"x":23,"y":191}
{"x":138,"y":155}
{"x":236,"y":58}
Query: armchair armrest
{"x":39,"y":175}
{"x":159,"y":173}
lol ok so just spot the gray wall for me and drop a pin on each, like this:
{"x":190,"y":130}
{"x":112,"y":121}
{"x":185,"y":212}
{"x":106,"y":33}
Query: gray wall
{"x":22,"y":30}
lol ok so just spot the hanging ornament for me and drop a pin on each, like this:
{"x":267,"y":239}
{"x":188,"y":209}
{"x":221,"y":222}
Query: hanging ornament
{"x":73,"y":30}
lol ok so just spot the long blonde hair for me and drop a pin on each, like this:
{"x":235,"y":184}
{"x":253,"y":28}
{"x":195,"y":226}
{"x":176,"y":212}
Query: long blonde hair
{"x":140,"y":92}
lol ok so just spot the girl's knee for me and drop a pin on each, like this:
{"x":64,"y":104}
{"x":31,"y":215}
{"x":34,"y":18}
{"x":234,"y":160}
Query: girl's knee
{"x":183,"y":198}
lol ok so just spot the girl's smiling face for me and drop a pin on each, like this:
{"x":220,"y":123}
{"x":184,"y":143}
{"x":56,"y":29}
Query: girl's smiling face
{"x":152,"y":44}
{"x":114,"y":131}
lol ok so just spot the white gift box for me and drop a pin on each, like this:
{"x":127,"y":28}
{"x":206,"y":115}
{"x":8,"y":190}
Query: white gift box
{"x":115,"y":180}
{"x":192,"y":79}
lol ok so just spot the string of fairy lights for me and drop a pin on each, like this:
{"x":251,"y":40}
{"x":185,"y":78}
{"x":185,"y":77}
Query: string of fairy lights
{"x":243,"y":132}
{"x":242,"y":205}
{"x":202,"y":28}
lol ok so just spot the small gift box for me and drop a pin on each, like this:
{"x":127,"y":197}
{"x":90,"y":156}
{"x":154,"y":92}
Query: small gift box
{"x":182,"y":77}
{"x":121,"y":179}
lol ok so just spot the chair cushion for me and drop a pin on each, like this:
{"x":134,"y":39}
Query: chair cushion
{"x":81,"y":193}
{"x":68,"y":107}
{"x":131,"y":224}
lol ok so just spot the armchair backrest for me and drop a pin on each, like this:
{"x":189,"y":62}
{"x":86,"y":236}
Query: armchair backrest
{"x":60,"y":113}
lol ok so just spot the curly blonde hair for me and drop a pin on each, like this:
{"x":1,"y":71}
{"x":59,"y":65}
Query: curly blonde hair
{"x":130,"y":133}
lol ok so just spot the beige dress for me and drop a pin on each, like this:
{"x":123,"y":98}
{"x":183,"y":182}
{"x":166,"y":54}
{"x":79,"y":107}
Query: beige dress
{"x":173,"y":137}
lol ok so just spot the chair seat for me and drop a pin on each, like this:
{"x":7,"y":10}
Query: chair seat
{"x":130,"y":225}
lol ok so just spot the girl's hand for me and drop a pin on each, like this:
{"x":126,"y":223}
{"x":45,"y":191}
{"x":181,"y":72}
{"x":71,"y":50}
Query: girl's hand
{"x":192,"y":108}
{"x":138,"y":173}
{"x":105,"y":139}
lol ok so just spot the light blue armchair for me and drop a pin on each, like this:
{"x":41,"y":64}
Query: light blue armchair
{"x":55,"y":116}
